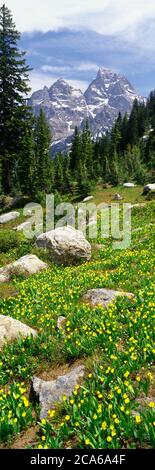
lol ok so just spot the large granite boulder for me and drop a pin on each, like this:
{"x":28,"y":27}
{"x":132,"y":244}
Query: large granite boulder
{"x":27,"y":265}
{"x":66,"y":245}
{"x":104,"y":296}
{"x":11,"y":329}
{"x":8,"y":217}
{"x":50,"y":393}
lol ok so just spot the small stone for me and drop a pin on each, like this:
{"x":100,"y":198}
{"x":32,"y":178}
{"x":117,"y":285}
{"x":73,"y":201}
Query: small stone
{"x":117,"y":197}
{"x":23,"y":226}
{"x":60,"y":322}
{"x":129,"y":185}
{"x":89,"y":198}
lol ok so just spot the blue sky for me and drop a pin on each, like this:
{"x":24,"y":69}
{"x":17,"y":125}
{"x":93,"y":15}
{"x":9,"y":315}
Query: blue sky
{"x":70,"y":39}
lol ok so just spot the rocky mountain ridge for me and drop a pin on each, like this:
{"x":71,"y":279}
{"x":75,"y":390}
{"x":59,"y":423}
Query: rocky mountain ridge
{"x":66,"y":107}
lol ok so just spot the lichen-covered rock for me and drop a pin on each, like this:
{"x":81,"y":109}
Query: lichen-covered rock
{"x":52,"y":392}
{"x":66,"y":245}
{"x":27,"y":265}
{"x":11,"y":329}
{"x":104,"y":296}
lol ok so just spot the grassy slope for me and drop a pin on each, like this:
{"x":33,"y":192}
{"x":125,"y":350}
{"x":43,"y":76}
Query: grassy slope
{"x":130,"y":195}
{"x":116,"y":346}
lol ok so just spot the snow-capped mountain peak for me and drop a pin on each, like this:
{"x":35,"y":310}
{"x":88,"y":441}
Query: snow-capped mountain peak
{"x":66,"y":107}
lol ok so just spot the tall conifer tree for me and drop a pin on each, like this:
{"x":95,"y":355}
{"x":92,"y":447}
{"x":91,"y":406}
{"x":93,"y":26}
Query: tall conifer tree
{"x":13,"y":90}
{"x":43,"y":161}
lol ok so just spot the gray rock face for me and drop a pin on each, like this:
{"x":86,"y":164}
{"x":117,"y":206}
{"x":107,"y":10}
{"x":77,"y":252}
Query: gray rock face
{"x":149,"y":187}
{"x":28,"y":264}
{"x":66,"y":245}
{"x":8,"y":217}
{"x":66,"y":107}
{"x":52,"y":392}
{"x":11,"y":329}
{"x":104,"y":296}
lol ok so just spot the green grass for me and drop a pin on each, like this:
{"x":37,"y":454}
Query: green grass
{"x":130,"y":195}
{"x":117,"y":346}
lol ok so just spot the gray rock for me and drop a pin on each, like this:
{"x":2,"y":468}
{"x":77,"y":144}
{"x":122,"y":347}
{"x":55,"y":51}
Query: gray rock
{"x":27,"y":265}
{"x":8,"y":217}
{"x":23,"y":226}
{"x":50,"y":393}
{"x":129,"y":185}
{"x":148,"y":188}
{"x":104,"y":296}
{"x":66,"y":245}
{"x":11,"y":329}
{"x":117,"y":197}
{"x":89,"y":198}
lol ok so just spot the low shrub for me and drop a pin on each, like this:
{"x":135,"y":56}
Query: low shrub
{"x":9,"y":239}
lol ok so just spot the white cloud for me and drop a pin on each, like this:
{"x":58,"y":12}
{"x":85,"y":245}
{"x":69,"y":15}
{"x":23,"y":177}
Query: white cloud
{"x":56,"y":69}
{"x":38,"y":80}
{"x":51,"y":14}
{"x":104,"y":16}
{"x":87,"y":67}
